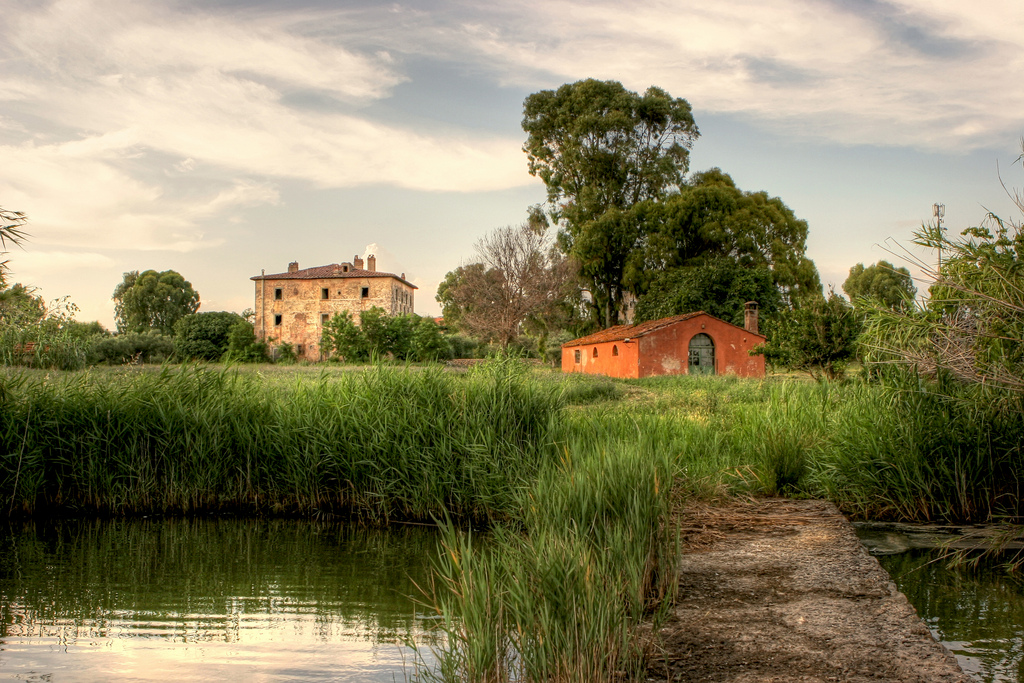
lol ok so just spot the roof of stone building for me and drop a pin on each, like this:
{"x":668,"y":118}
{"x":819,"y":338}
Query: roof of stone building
{"x":620,"y":332}
{"x":329,"y":272}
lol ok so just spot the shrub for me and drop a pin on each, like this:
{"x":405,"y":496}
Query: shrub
{"x":204,"y":336}
{"x":134,"y":347}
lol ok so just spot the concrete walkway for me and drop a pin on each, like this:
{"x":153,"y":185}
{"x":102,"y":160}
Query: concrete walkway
{"x":782,"y":590}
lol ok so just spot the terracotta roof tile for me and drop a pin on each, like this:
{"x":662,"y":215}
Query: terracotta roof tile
{"x":620,"y":332}
{"x":328,"y":272}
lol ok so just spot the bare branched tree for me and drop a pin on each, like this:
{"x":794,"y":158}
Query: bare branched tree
{"x":519,"y":279}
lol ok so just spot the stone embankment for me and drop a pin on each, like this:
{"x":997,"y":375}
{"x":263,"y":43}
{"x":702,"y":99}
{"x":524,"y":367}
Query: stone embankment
{"x":780,"y":590}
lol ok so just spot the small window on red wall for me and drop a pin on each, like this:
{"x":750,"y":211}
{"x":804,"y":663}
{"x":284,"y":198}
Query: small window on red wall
{"x":595,"y":352}
{"x":615,"y":350}
{"x":579,"y":356}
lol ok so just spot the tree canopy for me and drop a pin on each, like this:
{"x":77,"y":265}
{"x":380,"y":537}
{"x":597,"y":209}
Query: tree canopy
{"x":600,"y":149}
{"x":712,"y":220}
{"x":719,"y":287}
{"x":818,"y":337}
{"x":204,"y":336}
{"x":152,"y":300}
{"x":882,"y":282}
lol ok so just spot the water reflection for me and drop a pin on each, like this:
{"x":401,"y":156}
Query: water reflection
{"x":977,"y":614}
{"x":257,"y":600}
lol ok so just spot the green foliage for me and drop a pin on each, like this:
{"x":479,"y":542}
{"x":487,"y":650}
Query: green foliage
{"x":342,"y":338}
{"x":720,"y":287}
{"x":11,"y":230}
{"x":600,"y":149}
{"x":132,"y":347}
{"x":243,"y":346}
{"x":152,"y":300}
{"x":403,"y":337}
{"x":43,"y":341}
{"x":713,"y":221}
{"x":881,"y":283}
{"x":86,"y":330}
{"x":204,"y":336}
{"x":20,"y":306}
{"x":819,"y":338}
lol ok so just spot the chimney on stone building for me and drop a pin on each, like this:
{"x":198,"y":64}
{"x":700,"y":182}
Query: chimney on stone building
{"x":293,"y":267}
{"x":371,"y":262}
{"x":750,"y":317}
{"x":357,"y":262}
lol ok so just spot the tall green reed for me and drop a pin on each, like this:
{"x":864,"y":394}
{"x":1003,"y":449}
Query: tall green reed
{"x":388,"y":442}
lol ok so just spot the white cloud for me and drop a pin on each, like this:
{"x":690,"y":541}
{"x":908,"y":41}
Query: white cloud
{"x":911,"y":72}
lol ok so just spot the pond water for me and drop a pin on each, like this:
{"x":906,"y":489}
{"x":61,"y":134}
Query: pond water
{"x":214,"y":599}
{"x":978,"y":614}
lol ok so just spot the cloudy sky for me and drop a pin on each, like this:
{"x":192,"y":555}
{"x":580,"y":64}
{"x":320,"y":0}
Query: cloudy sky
{"x":219,"y":138}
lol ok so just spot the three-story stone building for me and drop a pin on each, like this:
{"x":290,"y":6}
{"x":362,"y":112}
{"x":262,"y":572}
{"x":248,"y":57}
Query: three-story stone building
{"x":292,"y":307}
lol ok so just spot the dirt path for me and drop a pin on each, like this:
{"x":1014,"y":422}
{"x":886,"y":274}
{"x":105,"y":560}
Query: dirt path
{"x":781,"y":590}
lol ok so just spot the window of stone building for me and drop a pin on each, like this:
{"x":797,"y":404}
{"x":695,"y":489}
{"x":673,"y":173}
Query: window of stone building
{"x":325,"y":293}
{"x":365,"y":293}
{"x":298,"y":349}
{"x":324,"y":317}
{"x":579,"y":356}
{"x":615,"y":350}
{"x":278,"y":293}
{"x":277,"y":319}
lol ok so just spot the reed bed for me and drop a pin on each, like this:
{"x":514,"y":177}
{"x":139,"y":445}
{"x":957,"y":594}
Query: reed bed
{"x":384,"y":443}
{"x":563,"y":597}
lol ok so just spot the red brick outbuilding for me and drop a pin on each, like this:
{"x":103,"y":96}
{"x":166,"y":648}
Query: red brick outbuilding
{"x":694,"y":343}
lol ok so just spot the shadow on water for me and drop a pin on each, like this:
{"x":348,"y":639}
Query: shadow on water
{"x":977,"y":613}
{"x":188,"y":599}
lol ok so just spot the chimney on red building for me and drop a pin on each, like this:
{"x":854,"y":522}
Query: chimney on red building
{"x":750,"y":317}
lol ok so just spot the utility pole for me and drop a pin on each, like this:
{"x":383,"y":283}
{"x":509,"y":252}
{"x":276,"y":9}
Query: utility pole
{"x":939,"y":212}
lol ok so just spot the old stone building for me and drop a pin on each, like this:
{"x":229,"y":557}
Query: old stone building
{"x":292,"y":307}
{"x":694,"y":343}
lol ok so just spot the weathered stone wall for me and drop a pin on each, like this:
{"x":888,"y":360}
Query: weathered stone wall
{"x":303,"y":309}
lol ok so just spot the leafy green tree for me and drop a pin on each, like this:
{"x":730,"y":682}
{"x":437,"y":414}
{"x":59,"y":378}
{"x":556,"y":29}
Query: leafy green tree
{"x":344,"y":339}
{"x":713,"y":220}
{"x":818,"y":337}
{"x":600,"y":149}
{"x":152,"y":300}
{"x":204,"y":336}
{"x":427,"y":343}
{"x":882,"y":282}
{"x":720,"y":287}
{"x":243,"y":346}
{"x":20,"y":305}
{"x":406,"y":337}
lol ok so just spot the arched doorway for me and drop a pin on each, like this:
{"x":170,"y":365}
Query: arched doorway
{"x":702,"y":355}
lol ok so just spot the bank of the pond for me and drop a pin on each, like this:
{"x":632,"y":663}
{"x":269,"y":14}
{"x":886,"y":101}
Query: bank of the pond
{"x":782,"y":590}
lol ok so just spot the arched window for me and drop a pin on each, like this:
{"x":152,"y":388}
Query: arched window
{"x":702,"y":355}
{"x":595,"y":352}
{"x":615,"y":350}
